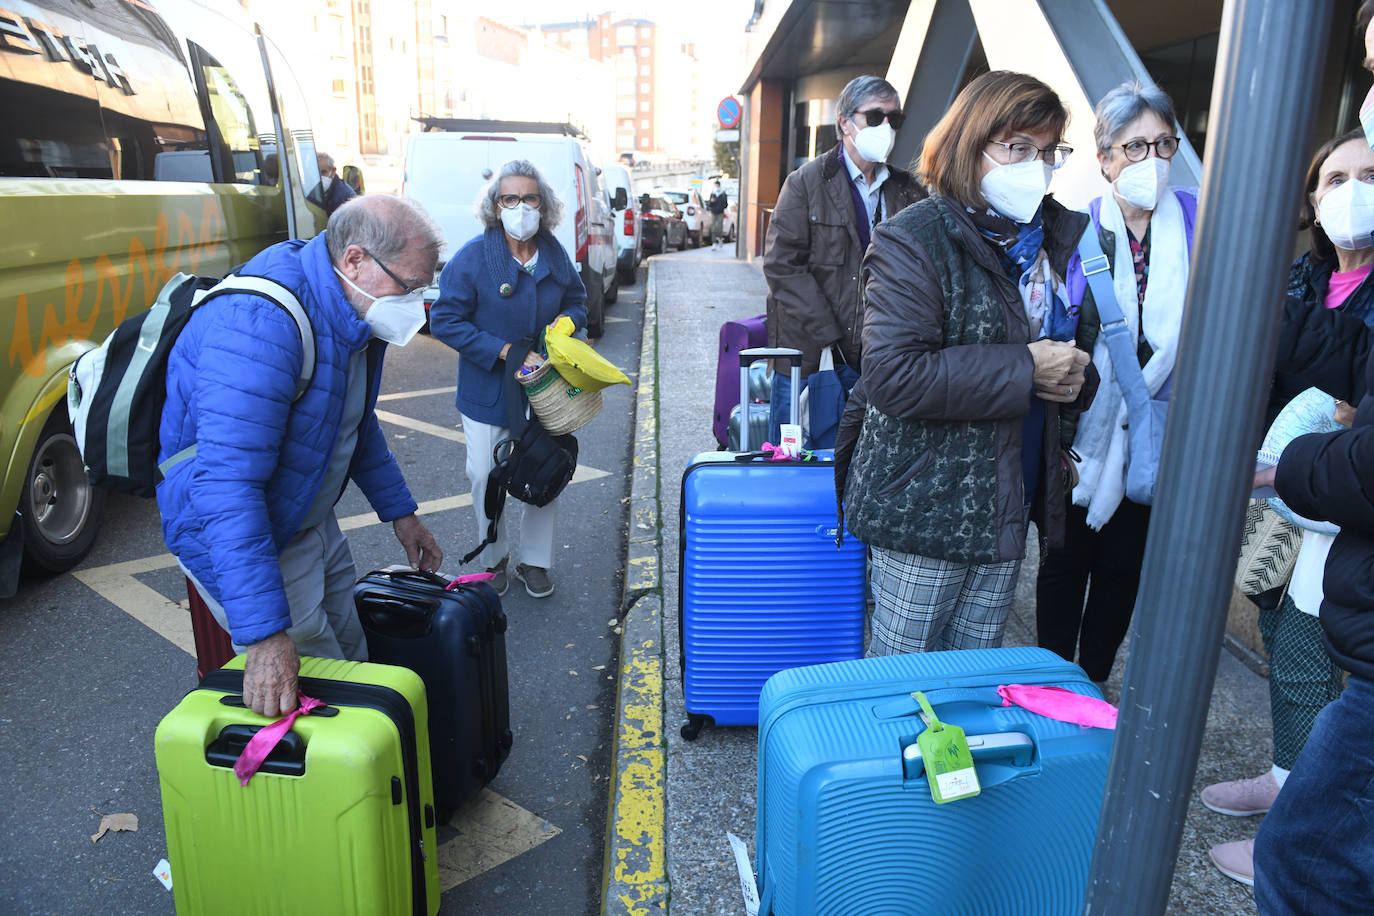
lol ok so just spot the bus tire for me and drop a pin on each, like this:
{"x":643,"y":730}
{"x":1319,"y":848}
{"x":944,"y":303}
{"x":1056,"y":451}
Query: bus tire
{"x":60,"y":510}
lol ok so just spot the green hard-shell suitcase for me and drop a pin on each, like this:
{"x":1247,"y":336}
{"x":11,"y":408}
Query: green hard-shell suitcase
{"x":340,"y":818}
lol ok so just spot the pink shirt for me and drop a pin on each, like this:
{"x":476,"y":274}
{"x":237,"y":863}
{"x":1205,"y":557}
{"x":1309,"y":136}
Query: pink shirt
{"x":1342,"y":285}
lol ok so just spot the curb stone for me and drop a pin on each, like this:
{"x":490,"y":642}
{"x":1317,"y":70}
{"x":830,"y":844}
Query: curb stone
{"x":635,"y":874}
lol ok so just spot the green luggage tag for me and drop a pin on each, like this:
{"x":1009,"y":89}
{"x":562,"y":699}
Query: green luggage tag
{"x":948,"y":762}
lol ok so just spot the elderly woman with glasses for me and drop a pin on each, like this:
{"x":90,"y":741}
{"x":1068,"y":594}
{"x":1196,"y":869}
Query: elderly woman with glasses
{"x":952,"y":435}
{"x":495,"y":296}
{"x":1145,"y":229}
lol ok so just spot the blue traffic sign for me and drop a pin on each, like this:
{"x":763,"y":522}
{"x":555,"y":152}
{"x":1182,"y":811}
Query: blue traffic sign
{"x":728,"y":112}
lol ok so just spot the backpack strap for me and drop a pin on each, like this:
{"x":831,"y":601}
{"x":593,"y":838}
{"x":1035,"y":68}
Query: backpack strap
{"x":282,"y":298}
{"x":1125,"y":363}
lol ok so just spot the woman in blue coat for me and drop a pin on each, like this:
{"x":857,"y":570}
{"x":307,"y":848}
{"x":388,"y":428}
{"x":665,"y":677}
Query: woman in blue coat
{"x":503,"y":286}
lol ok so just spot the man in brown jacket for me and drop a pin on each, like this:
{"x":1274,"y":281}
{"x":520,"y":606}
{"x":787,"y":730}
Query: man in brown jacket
{"x":820,"y":230}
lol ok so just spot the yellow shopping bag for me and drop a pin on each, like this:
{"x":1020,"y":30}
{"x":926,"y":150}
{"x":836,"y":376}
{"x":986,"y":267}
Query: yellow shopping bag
{"x":580,"y":365}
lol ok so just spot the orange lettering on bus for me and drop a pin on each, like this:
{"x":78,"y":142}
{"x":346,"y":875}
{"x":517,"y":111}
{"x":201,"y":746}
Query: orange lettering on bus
{"x":154,"y":267}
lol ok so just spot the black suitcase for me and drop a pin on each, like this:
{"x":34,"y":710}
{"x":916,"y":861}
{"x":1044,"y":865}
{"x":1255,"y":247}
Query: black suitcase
{"x":456,"y":641}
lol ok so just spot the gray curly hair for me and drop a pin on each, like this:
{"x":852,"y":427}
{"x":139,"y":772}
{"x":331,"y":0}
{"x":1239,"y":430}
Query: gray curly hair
{"x":488,"y":212}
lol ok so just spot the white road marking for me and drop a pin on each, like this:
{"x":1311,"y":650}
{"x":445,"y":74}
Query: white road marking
{"x":423,"y":392}
{"x":420,"y":426}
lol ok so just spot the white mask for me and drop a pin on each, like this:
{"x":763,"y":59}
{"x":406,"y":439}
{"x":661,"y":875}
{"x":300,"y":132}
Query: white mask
{"x":1015,"y":190}
{"x":325,"y":182}
{"x":520,"y":222}
{"x":1141,"y":184}
{"x":1346,"y":215}
{"x":874,"y":143}
{"x":395,"y":319}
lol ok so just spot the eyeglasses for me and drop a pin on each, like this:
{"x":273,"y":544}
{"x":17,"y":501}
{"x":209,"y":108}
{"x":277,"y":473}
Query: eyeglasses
{"x":1136,"y":150}
{"x":511,"y":201}
{"x":874,"y":116}
{"x":386,"y":270}
{"x":1020,"y":151}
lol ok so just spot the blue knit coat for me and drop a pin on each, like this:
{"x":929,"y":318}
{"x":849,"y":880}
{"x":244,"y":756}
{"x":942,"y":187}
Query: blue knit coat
{"x":474,"y":318}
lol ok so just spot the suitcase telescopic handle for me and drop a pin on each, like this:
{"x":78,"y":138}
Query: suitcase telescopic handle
{"x":429,"y":578}
{"x":747,"y":358}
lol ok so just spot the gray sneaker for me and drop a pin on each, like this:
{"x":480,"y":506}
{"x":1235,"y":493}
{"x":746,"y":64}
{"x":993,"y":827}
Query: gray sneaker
{"x":499,"y":580}
{"x":537,"y":581}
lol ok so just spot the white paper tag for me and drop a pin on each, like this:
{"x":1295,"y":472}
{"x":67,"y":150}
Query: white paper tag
{"x":957,"y":783}
{"x":746,"y":874}
{"x":163,"y":873}
{"x":791,"y":439}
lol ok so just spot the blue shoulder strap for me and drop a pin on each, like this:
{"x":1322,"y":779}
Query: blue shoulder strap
{"x":1125,"y":362}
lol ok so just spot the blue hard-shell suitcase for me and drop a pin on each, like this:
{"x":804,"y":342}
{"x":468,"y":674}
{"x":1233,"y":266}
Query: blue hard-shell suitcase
{"x":762,"y":585}
{"x":846,"y":823}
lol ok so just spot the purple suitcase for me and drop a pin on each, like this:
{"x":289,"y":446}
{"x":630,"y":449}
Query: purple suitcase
{"x":734,"y":336}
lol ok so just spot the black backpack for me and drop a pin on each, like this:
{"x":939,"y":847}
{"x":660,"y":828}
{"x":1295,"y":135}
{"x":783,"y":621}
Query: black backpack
{"x":531,"y":465}
{"x":115,"y":392}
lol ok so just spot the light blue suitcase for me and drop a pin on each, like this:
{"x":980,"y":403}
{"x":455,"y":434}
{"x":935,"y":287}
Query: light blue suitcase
{"x":762,"y":585}
{"x":846,"y":823}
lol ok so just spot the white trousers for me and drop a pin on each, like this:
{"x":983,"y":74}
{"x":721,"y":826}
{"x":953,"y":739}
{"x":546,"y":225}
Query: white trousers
{"x":318,"y":575}
{"x":536,"y":524}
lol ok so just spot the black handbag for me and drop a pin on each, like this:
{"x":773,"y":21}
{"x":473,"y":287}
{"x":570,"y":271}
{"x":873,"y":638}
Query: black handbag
{"x":530,"y":465}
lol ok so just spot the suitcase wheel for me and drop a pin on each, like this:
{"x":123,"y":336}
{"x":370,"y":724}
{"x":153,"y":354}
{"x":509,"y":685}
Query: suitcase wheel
{"x":693,"y":726}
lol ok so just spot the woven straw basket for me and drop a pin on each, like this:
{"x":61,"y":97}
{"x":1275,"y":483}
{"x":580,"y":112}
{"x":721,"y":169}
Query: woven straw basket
{"x":559,"y":405}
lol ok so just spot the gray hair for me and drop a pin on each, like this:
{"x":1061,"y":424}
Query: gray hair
{"x":488,"y":212}
{"x":859,"y":90}
{"x":385,"y":225}
{"x":1124,"y":104}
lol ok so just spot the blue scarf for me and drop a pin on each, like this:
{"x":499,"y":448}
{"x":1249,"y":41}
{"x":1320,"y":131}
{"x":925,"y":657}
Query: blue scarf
{"x":1019,"y":246}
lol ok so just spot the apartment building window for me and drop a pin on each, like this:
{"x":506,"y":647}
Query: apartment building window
{"x":645,"y":50}
{"x":643,"y":106}
{"x":644,"y":87}
{"x":644,"y":124}
{"x":338,"y":89}
{"x":644,"y":70}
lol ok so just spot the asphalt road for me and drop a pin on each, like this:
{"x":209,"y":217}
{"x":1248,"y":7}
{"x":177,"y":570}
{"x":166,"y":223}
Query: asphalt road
{"x":93,"y":659}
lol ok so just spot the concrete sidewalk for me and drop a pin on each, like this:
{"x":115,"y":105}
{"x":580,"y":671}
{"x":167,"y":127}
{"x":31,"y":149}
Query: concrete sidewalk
{"x":673,"y":800}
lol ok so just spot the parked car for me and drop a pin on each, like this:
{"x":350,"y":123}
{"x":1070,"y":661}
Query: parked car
{"x":627,"y":159}
{"x":185,"y":155}
{"x":625,"y":217}
{"x":449,"y":164}
{"x":688,"y":201}
{"x":662,"y":223}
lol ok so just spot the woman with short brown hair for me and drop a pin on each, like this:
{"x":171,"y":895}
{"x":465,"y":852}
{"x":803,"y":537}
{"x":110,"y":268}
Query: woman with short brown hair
{"x":953,"y":433}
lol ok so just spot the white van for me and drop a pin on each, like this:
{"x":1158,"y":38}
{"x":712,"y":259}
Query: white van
{"x":626,"y":219}
{"x":449,"y":165}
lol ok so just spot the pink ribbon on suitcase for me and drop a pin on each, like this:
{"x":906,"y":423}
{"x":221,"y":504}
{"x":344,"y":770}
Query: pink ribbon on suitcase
{"x":470,"y":577}
{"x":1060,"y":704}
{"x":261,"y":744}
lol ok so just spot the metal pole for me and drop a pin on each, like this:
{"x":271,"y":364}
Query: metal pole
{"x":1261,"y":114}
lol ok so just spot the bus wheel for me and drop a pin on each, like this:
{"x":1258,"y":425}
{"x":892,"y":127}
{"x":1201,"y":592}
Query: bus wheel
{"x":60,"y":508}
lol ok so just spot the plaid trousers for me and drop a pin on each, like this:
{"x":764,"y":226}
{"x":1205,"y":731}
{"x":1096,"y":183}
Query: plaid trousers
{"x":924,"y":605}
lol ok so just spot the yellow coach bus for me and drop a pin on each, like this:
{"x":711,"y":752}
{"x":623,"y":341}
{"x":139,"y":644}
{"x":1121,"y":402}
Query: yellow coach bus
{"x":137,"y":139}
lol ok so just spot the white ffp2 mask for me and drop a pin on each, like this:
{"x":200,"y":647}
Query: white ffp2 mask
{"x":520,"y":222}
{"x":1015,"y":190}
{"x":874,"y":143}
{"x":395,"y":319}
{"x":1346,"y":215}
{"x":1141,"y":184}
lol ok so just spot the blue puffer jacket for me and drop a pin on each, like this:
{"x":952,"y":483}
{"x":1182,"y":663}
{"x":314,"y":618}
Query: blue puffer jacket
{"x":260,"y":459}
{"x":474,"y":318}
